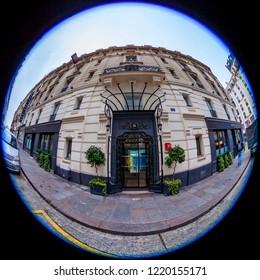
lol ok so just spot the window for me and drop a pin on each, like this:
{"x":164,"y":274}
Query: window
{"x":184,"y":66}
{"x":163,"y":60}
{"x":220,"y":141}
{"x":172,"y":71}
{"x":131,"y":58}
{"x":212,"y":111}
{"x":199,"y":145}
{"x":55,"y":111}
{"x":39,"y":114}
{"x":98,"y":62}
{"x":196,"y":80}
{"x":91,"y":74}
{"x":31,"y":119}
{"x":225,"y":108}
{"x":49,"y":92}
{"x":28,"y":141}
{"x":214,"y":88}
{"x":187,"y":100}
{"x":46,"y":142}
{"x":133,"y":102}
{"x":78,"y":103}
{"x":68,"y":148}
{"x":67,"y":84}
{"x":234,"y":113}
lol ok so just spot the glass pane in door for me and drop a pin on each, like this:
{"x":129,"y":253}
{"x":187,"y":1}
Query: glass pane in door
{"x":134,"y":161}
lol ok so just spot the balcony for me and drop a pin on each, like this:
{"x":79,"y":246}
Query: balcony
{"x":132,"y":71}
{"x":131,"y":68}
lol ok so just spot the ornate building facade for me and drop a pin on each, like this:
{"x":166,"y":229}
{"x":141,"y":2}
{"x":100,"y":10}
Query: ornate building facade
{"x":135,"y":102}
{"x":240,"y":93}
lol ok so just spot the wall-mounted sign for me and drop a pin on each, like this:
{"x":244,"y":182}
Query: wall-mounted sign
{"x":167,"y":146}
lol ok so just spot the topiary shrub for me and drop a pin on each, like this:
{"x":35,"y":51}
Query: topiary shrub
{"x":95,"y":157}
{"x":44,"y":159}
{"x":230,"y":158}
{"x":226,"y":160}
{"x":220,"y":163}
{"x":175,"y":155}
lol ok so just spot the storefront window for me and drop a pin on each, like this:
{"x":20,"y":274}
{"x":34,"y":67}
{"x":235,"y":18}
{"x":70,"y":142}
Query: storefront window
{"x":28,"y":141}
{"x":46,"y":142}
{"x":220,"y":141}
{"x":237,"y":133}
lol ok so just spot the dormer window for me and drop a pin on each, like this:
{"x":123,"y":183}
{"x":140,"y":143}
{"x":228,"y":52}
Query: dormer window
{"x":67,"y":84}
{"x":163,"y":60}
{"x":196,"y":80}
{"x":131,"y":58}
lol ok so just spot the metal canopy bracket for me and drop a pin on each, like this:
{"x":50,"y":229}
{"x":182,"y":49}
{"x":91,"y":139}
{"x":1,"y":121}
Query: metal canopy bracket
{"x":133,"y":101}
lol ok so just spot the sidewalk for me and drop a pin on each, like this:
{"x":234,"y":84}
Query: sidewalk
{"x":132,"y":213}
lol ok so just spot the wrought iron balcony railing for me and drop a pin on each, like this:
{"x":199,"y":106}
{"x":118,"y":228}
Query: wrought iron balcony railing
{"x":125,"y":68}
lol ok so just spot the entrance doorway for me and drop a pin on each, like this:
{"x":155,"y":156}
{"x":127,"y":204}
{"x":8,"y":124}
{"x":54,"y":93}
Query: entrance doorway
{"x":135,"y":158}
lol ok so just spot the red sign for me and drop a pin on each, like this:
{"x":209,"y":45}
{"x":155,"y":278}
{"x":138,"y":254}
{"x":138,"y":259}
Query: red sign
{"x":167,"y":146}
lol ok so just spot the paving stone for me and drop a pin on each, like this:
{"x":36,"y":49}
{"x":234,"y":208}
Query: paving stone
{"x":130,"y":225}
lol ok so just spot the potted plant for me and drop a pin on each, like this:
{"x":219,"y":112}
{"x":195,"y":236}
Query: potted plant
{"x":175,"y":155}
{"x":220,"y":163}
{"x":44,"y":159}
{"x":171,"y":186}
{"x":96,"y":157}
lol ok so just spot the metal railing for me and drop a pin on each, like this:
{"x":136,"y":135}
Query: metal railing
{"x":131,"y":68}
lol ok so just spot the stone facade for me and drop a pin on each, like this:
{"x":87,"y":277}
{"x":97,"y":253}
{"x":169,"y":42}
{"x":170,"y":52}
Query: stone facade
{"x":106,"y":98}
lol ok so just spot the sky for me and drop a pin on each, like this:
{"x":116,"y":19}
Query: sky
{"x":118,"y":25}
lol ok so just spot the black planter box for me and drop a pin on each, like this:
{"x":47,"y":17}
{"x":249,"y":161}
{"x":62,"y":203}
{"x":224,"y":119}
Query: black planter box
{"x":166,"y":190}
{"x":96,"y":190}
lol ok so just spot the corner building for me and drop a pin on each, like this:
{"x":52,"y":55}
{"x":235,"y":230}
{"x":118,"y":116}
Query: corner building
{"x":134,"y":102}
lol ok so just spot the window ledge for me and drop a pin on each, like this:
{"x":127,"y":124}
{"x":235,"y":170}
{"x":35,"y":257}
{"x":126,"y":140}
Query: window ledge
{"x":191,"y":109}
{"x":75,"y":111}
{"x":131,"y":62}
{"x":66,"y":161}
{"x":201,"y":158}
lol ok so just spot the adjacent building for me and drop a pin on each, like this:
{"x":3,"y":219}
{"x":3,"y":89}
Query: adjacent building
{"x":135,"y":102}
{"x":240,"y":93}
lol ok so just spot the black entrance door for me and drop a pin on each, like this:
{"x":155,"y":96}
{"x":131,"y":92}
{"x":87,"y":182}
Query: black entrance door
{"x":32,"y":144}
{"x":135,"y":158}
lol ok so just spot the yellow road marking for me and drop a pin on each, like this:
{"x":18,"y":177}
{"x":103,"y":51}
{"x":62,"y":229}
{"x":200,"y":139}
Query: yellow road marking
{"x":68,"y":236}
